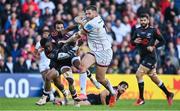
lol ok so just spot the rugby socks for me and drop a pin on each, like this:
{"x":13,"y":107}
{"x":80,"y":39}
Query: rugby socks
{"x":51,"y":95}
{"x":47,"y":93}
{"x":61,"y":88}
{"x":73,"y":94}
{"x":109,"y":87}
{"x":163,"y":88}
{"x":82,"y":78}
{"x":89,"y":75}
{"x":141,"y":89}
{"x":93,"y":80}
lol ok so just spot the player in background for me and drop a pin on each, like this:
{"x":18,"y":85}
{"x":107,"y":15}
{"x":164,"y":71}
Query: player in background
{"x":144,"y":39}
{"x":101,"y":52}
{"x":101,"y":98}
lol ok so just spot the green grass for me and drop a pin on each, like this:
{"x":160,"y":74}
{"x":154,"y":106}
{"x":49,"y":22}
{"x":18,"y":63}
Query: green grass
{"x":29,"y":104}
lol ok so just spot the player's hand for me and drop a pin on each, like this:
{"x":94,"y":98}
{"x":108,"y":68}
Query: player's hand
{"x":62,"y":42}
{"x":138,"y":40}
{"x":78,"y":19}
{"x":40,"y":50}
{"x":150,"y":48}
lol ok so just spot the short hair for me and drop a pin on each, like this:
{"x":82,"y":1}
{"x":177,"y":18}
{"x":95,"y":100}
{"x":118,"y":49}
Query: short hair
{"x":58,"y":22}
{"x":123,"y":82}
{"x":43,"y":42}
{"x":144,"y":15}
{"x":45,"y":30}
{"x":91,"y":7}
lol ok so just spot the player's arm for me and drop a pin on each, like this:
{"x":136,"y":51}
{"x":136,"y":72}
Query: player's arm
{"x":135,"y":40}
{"x":37,"y":50}
{"x":69,"y":28}
{"x":160,"y":38}
{"x":74,"y":37}
{"x":103,"y":95}
{"x":60,"y":55}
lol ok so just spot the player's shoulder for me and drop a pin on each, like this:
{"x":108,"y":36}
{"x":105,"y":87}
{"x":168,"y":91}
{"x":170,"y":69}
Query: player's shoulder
{"x":152,"y":28}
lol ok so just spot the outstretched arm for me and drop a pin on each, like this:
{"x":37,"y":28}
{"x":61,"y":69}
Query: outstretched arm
{"x":70,"y":28}
{"x":103,"y":95}
{"x":74,"y":37}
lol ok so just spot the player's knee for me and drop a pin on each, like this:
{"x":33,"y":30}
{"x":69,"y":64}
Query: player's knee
{"x":82,"y":68}
{"x":48,"y":77}
{"x":139,"y":74}
{"x":152,"y":75}
{"x":77,"y":64}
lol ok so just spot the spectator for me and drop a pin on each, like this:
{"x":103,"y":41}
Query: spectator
{"x":15,"y":52}
{"x":30,"y":5}
{"x":12,"y":37}
{"x":10,"y":64}
{"x":46,"y":4}
{"x":29,"y":60}
{"x":12,"y":22}
{"x":3,"y":67}
{"x":34,"y":68}
{"x":118,"y":29}
{"x":171,"y":12}
{"x":20,"y":66}
{"x":169,"y":67}
{"x":2,"y":51}
{"x":114,"y":67}
{"x":143,"y":8}
{"x":24,"y":31}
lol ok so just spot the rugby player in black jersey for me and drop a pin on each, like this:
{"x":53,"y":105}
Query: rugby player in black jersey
{"x":147,"y":39}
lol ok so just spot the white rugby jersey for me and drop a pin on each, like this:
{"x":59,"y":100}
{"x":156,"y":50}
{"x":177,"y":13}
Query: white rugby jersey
{"x":97,"y":35}
{"x":44,"y":61}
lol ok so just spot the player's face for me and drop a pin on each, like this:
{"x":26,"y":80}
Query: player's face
{"x":122,"y":88}
{"x":59,"y":27}
{"x":45,"y":34}
{"x":144,"y":21}
{"x":90,"y":14}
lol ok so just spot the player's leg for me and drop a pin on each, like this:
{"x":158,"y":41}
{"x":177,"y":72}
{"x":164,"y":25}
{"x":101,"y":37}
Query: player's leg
{"x":93,"y":80}
{"x":139,"y":76}
{"x":60,"y":86}
{"x":87,"y":60}
{"x":77,"y":63}
{"x":67,"y":72}
{"x":153,"y":75}
{"x":82,"y":77}
{"x":100,"y":76}
{"x":85,"y":103}
{"x":47,"y":88}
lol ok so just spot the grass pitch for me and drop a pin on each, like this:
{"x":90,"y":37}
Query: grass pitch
{"x":124,"y":105}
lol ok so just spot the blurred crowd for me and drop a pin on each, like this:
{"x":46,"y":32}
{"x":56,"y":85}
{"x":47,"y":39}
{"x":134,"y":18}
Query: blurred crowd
{"x":22,"y":21}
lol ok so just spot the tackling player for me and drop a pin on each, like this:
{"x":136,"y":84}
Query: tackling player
{"x":46,"y":71}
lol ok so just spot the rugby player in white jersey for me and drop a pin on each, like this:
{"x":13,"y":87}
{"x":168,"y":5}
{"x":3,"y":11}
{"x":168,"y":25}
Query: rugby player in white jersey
{"x":100,"y":49}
